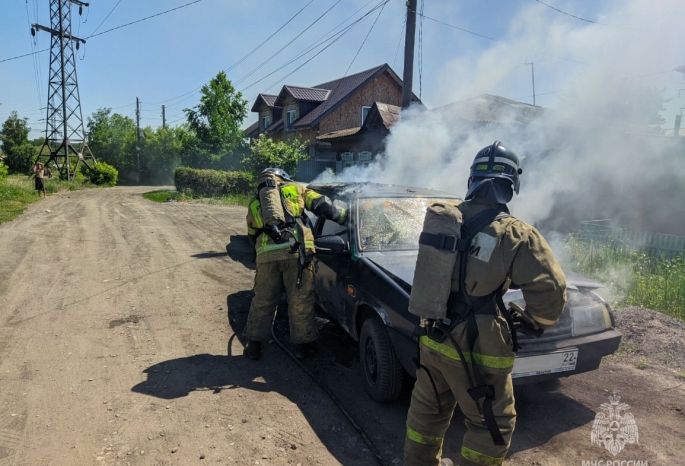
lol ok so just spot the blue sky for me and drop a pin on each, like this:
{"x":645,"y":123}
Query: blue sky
{"x":166,"y":57}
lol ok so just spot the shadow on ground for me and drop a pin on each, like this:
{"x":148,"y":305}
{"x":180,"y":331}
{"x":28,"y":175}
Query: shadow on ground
{"x":543,"y":412}
{"x":239,"y":249}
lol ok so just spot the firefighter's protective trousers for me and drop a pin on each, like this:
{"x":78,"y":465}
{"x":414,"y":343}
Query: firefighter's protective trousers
{"x":426,"y":425}
{"x":271,"y":280}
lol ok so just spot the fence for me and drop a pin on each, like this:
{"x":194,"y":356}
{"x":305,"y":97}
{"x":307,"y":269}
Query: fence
{"x":307,"y":170}
{"x":654,"y":244}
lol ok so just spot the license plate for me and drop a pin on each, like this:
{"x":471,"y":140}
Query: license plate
{"x":548,"y":363}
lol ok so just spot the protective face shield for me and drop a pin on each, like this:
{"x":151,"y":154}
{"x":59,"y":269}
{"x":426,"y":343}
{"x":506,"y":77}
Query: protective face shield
{"x":492,"y":164}
{"x":276,"y":171}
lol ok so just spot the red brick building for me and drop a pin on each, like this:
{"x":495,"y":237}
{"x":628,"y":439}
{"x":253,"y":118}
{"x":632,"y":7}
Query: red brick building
{"x":343,"y":121}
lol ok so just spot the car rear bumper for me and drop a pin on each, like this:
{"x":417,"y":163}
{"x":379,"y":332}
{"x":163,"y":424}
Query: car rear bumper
{"x":591,"y":350}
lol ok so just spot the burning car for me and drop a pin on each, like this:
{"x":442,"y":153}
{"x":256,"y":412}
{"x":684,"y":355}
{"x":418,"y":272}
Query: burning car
{"x":363,"y":277}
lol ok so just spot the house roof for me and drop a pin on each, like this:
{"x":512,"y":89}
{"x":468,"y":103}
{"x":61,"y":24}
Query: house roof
{"x":267,"y":99}
{"x":252,"y":130}
{"x":489,"y":108}
{"x":386,"y":113}
{"x":340,"y":133}
{"x":308,"y":94}
{"x":343,"y":88}
{"x":275,"y":126}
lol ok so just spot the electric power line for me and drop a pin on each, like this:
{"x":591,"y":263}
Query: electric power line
{"x":275,"y":54}
{"x":567,"y":14}
{"x":365,"y":39}
{"x":399,"y":42}
{"x":332,"y":40}
{"x":144,"y":19}
{"x":109,"y":30}
{"x":103,"y":21}
{"x":246,"y":56}
{"x":493,"y":39}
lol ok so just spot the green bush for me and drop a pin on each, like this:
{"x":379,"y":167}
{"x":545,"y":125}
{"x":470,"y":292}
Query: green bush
{"x":265,"y":153}
{"x":3,"y":171}
{"x":212,"y":183}
{"x":21,"y":158}
{"x":101,"y":174}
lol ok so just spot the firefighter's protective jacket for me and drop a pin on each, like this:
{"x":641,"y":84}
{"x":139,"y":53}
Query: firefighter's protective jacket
{"x":512,"y":252}
{"x":297,"y":197}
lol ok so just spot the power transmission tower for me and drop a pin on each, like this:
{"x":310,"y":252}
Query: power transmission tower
{"x":64,"y":132}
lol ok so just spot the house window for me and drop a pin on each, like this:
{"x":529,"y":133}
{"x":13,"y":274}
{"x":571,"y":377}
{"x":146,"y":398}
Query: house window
{"x":365,"y":113}
{"x":290,"y":117}
{"x":266,"y":121}
{"x":365,"y":155}
{"x":347,"y":156}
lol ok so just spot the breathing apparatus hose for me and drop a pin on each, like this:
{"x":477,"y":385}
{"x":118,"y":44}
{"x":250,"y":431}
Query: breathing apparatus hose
{"x":335,"y":400}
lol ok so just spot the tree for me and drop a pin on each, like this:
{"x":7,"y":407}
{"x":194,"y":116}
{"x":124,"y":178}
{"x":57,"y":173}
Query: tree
{"x":161,"y":153}
{"x":112,"y":139}
{"x":15,"y":144}
{"x":265,"y":153}
{"x":216,"y":122}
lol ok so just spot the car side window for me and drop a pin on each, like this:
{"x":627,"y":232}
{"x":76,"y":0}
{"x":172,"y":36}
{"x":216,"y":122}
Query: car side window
{"x":331,"y":228}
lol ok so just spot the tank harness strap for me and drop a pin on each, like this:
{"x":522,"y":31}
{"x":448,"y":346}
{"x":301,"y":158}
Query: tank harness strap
{"x":443,"y":242}
{"x":297,"y":241}
{"x":270,"y":182}
{"x":419,"y":331}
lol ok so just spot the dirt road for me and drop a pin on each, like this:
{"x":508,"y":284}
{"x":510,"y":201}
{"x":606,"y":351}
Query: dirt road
{"x":116,"y":347}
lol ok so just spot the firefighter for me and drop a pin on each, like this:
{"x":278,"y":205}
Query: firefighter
{"x":468,"y":357}
{"x":277,"y":227}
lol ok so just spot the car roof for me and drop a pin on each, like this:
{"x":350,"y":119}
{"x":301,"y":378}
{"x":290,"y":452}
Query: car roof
{"x":371,"y":190}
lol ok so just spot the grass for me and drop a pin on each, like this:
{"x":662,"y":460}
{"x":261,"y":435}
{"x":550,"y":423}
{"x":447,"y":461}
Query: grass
{"x":167,"y":196}
{"x":642,"y":363}
{"x":17,"y":192}
{"x":635,"y":279}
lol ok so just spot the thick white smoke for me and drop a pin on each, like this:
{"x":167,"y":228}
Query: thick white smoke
{"x":596,"y":154}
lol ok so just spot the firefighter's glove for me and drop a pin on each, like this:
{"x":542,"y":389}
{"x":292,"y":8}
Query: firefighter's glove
{"x":276,"y":234}
{"x":524,"y":322}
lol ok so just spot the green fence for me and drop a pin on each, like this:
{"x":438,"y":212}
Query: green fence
{"x":654,"y":244}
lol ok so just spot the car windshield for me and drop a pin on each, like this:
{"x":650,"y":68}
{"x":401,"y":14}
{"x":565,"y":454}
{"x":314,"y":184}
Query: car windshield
{"x":392,"y":223}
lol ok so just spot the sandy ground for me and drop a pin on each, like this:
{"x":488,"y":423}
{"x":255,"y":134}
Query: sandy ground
{"x":117,"y":347}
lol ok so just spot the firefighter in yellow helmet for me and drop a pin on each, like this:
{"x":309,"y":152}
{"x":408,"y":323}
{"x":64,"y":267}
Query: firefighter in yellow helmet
{"x":467,"y":357}
{"x":277,"y":227}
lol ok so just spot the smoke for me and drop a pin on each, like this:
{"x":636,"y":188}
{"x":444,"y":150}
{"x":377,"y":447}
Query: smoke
{"x":596,"y":154}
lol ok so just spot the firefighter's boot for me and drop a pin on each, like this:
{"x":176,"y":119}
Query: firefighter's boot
{"x":253,"y":350}
{"x":306,"y":350}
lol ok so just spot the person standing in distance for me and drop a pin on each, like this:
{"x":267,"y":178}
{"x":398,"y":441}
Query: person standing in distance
{"x":277,"y":228}
{"x":39,"y":174}
{"x":467,"y":357}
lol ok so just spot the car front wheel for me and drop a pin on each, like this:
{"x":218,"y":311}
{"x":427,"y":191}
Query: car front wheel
{"x":383,"y":372}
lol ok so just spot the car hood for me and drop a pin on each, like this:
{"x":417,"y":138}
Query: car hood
{"x":400,"y":266}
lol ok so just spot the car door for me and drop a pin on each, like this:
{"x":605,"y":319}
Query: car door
{"x":330,"y":272}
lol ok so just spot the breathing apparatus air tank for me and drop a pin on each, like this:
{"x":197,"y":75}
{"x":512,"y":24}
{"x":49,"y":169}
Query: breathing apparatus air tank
{"x":436,"y":261}
{"x":270,"y":200}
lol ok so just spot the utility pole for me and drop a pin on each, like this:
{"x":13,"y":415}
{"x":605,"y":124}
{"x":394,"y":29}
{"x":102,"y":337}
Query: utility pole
{"x":64,"y":130}
{"x":138,"y":135}
{"x":408,"y":76}
{"x":532,"y":70}
{"x":163,"y":117}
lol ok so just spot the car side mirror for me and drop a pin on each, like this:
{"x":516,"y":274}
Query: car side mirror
{"x":331,"y":245}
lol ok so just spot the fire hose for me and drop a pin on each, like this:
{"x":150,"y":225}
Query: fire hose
{"x":362,"y":433}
